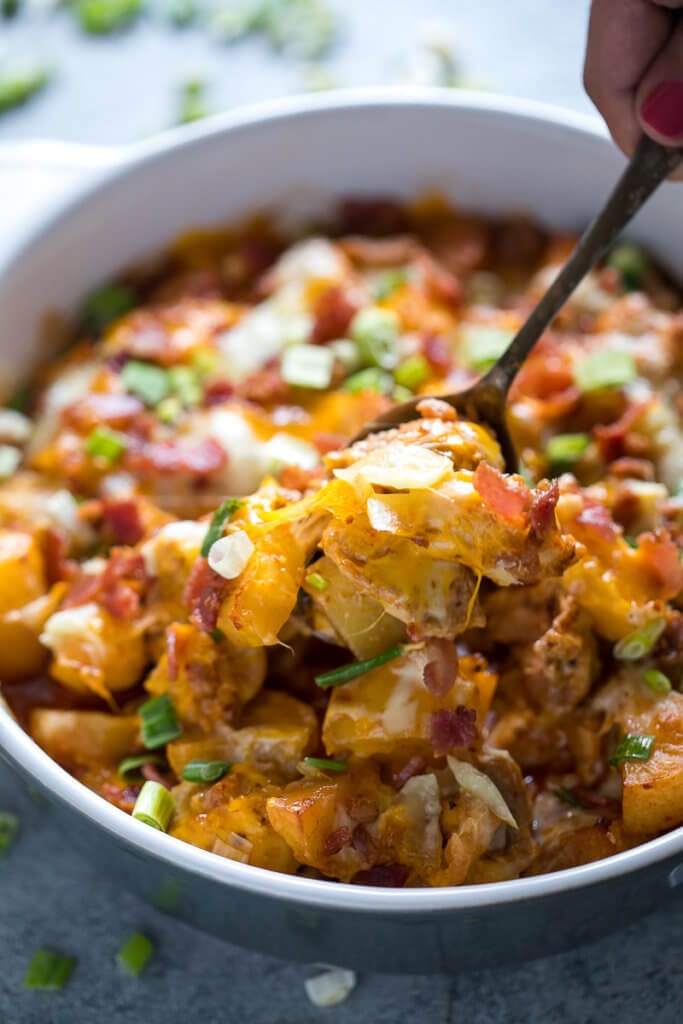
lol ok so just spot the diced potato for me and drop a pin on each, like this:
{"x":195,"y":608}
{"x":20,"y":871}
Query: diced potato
{"x":92,"y":650}
{"x":653,"y":790}
{"x":572,"y":847}
{"x":22,"y":580}
{"x":84,"y":737}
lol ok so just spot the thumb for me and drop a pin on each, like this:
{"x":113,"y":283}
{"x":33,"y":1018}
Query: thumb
{"x":659,"y":99}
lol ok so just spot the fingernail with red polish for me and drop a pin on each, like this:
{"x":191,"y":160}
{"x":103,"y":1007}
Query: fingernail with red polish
{"x":663,"y":109}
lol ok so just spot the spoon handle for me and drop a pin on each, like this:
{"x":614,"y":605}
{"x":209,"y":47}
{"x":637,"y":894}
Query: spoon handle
{"x":649,"y":166}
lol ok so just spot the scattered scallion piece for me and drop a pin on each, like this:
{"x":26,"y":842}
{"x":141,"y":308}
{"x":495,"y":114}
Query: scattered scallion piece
{"x":134,"y":953}
{"x":632,"y":746}
{"x":8,"y":8}
{"x":632,"y":542}
{"x":9,"y":829}
{"x":657,"y":681}
{"x":159,"y":724}
{"x":563,"y":450}
{"x":481,"y":345}
{"x":18,"y":86}
{"x":389,"y":282}
{"x":344,"y":674}
{"x":606,"y":368}
{"x":401,"y":394}
{"x":103,"y":17}
{"x":220,"y":517}
{"x":640,"y":642}
{"x":128,"y":768}
{"x":412,"y":372}
{"x":371,"y":379}
{"x":308,"y":366}
{"x":304,"y":28}
{"x":182,"y":12}
{"x":192,"y":100}
{"x":105,"y":305}
{"x":183,"y":381}
{"x":630,"y":263}
{"x":217,"y":635}
{"x":317,"y":582}
{"x":154,"y":806}
{"x":48,"y":970}
{"x":20,"y":400}
{"x":325,"y":764}
{"x":149,"y":382}
{"x":106,"y":444}
{"x":567,"y":797}
{"x":205,"y":771}
{"x":375,"y":331}
{"x":346,"y":351}
{"x":169,"y":409}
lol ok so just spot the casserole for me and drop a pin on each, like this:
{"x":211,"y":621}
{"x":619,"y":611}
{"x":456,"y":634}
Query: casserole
{"x":556,"y":167}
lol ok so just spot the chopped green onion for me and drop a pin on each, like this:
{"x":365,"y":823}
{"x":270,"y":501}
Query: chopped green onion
{"x":147,"y":381}
{"x":182,"y":12}
{"x":8,"y":8}
{"x":339,"y":676}
{"x":657,"y":681}
{"x":102,"y":17}
{"x":48,"y":970}
{"x":9,"y":829}
{"x":134,"y":953}
{"x":105,"y":305}
{"x":563,"y":450}
{"x":401,"y":394}
{"x":389,"y":282}
{"x":631,"y":264}
{"x":230,"y":24}
{"x":325,"y":764}
{"x":412,"y":372}
{"x":372,"y":379}
{"x":481,"y":346}
{"x":308,"y":366}
{"x":192,"y":102}
{"x":318,"y":582}
{"x":632,"y":542}
{"x":217,"y":635}
{"x":205,"y":771}
{"x":183,"y":381}
{"x":104,"y":443}
{"x":158,"y":722}
{"x":304,"y":28}
{"x":20,"y":400}
{"x":632,"y":747}
{"x":375,"y":331}
{"x":568,"y":797}
{"x":606,"y":368}
{"x":640,"y":642}
{"x":346,"y":351}
{"x":169,"y":409}
{"x":220,"y":517}
{"x":19,"y":86}
{"x":154,"y":806}
{"x":127,"y":768}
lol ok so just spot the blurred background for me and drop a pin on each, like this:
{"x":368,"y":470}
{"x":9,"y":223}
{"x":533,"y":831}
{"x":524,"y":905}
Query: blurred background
{"x":112,"y":71}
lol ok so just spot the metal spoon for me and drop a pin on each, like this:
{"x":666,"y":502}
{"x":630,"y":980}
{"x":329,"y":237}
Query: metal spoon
{"x":485,"y":401}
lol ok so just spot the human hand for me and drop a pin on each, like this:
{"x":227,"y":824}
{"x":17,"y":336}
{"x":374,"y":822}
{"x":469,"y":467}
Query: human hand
{"x":634,"y":69}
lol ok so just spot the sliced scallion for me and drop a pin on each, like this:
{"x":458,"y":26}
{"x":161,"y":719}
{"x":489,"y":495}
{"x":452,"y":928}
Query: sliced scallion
{"x":567,"y":797}
{"x":154,"y":806}
{"x":657,"y":681}
{"x":205,"y":771}
{"x":630,"y":263}
{"x":19,"y":86}
{"x":223,"y":513}
{"x":344,"y":674}
{"x":389,"y":282}
{"x":48,"y":970}
{"x":134,"y":953}
{"x":640,"y":642}
{"x":563,"y":450}
{"x":325,"y":764}
{"x":183,"y":381}
{"x":371,"y":379}
{"x":375,"y":331}
{"x":632,"y":747}
{"x":412,"y":372}
{"x":102,"y":17}
{"x":481,"y":345}
{"x":106,"y":444}
{"x":217,"y":635}
{"x":606,"y":368}
{"x":149,"y":382}
{"x":317,"y":582}
{"x":159,"y":724}
{"x":105,"y":305}
{"x":308,"y":366}
{"x":9,"y":829}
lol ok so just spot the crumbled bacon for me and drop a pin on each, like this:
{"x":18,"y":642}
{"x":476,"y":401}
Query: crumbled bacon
{"x":218,"y":391}
{"x":542,"y":512}
{"x":203,"y":595}
{"x":123,"y":583}
{"x":611,"y":438}
{"x":632,"y":469}
{"x":385,"y":876}
{"x":453,"y":729}
{"x":660,"y":559}
{"x":85,"y":589}
{"x":327,"y":442}
{"x":548,"y":378}
{"x":441,"y":284}
{"x":333,"y":311}
{"x":436,"y":352}
{"x":122,"y":518}
{"x":167,"y":457}
{"x":597,"y":519}
{"x":337,"y":840}
{"x":172,"y":653}
{"x":115,"y":410}
{"x":413,"y":766}
{"x":376,"y":215}
{"x":264,"y":386}
{"x":57,"y":565}
{"x":441,"y":670}
{"x":362,"y":809}
{"x":508,"y":498}
{"x":123,"y":797}
{"x":151,"y":773}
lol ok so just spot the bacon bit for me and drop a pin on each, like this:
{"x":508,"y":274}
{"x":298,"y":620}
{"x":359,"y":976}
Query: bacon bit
{"x":660,"y":559}
{"x":218,"y":391}
{"x":332,"y":312}
{"x":377,"y":215}
{"x":113,"y":409}
{"x":548,"y":378}
{"x":264,"y":386}
{"x":508,"y":498}
{"x":167,"y":457}
{"x":414,"y":766}
{"x":611,"y":438}
{"x":85,"y":589}
{"x":296,"y":478}
{"x":57,"y":565}
{"x":122,"y":519}
{"x":517,"y":242}
{"x":337,"y":840}
{"x":149,"y":772}
{"x":172,"y":653}
{"x":362,"y":809}
{"x":441,"y":671}
{"x":542,"y":512}
{"x":589,"y":799}
{"x":123,"y":583}
{"x":436,"y":352}
{"x":632,"y":469}
{"x":461,"y":245}
{"x":453,"y":729}
{"x":441,"y":284}
{"x":598,"y":519}
{"x":123,"y":798}
{"x":385,"y":876}
{"x":203,"y":595}
{"x":145,"y":337}
{"x":328,"y":442}
{"x":436,"y":409}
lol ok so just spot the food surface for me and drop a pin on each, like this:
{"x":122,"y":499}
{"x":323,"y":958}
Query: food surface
{"x":388,"y":663}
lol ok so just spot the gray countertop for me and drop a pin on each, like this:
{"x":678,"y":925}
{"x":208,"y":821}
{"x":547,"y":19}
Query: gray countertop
{"x":112,"y":91}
